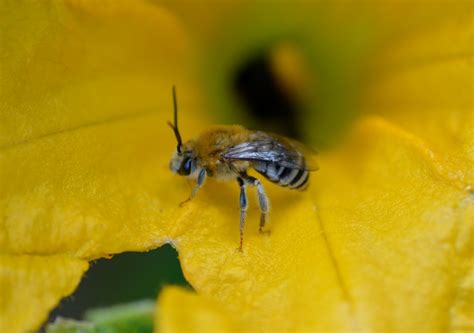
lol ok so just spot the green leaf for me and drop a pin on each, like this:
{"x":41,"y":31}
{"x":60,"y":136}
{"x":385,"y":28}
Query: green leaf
{"x":136,"y":317}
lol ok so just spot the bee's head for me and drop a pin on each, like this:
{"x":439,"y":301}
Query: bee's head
{"x":184,"y":160}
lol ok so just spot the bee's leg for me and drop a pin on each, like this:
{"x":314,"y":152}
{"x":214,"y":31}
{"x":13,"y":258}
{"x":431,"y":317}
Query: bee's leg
{"x":200,"y":180}
{"x":243,"y":208}
{"x":262,"y":199}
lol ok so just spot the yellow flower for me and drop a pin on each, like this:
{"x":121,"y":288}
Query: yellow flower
{"x":383,"y":239}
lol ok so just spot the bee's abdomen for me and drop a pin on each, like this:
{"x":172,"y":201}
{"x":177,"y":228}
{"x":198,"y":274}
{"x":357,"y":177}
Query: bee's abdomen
{"x":293,"y":178}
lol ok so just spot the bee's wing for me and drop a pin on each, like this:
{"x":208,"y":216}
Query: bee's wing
{"x":266,"y":147}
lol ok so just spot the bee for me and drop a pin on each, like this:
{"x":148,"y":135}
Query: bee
{"x":227,"y":152}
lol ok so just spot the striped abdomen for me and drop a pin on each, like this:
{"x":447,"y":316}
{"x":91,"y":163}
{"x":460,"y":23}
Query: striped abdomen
{"x":283,"y":176}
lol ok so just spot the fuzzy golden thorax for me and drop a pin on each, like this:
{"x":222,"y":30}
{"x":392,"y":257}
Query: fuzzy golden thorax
{"x":205,"y":152}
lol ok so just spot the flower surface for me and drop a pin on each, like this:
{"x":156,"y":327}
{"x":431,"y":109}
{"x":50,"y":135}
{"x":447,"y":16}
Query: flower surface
{"x":381,"y":241}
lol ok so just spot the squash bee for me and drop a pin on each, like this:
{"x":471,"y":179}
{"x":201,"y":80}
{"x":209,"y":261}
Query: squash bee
{"x":228,"y":151}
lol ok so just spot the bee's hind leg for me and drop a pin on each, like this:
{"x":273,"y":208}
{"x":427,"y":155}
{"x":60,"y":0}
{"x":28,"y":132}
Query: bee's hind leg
{"x":200,"y":180}
{"x":262,"y":199}
{"x":243,"y":208}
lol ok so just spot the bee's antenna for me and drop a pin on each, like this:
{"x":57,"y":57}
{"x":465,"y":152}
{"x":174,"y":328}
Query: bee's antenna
{"x":175,"y":126}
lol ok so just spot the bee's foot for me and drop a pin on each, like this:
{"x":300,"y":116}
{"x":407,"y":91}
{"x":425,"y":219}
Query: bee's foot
{"x":265,"y":232}
{"x":240,"y":249}
{"x":181,"y":204}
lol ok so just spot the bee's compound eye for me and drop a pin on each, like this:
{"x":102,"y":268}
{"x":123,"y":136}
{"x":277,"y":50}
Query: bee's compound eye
{"x":186,"y":167}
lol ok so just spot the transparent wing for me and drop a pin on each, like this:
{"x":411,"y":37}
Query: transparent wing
{"x":267,"y":147}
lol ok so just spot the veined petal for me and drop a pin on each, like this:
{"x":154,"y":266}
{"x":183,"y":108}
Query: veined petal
{"x":30,"y":286}
{"x":85,"y":90}
{"x":424,"y":82}
{"x":195,"y":315}
{"x":381,"y":241}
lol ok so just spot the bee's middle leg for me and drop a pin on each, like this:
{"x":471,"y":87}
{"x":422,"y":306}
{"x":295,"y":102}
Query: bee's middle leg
{"x":200,"y":180}
{"x":243,"y":208}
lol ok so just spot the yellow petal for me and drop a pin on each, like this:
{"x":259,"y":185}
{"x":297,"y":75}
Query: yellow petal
{"x":86,"y":92}
{"x":424,"y":83}
{"x":381,"y":242}
{"x":88,"y":126}
{"x":84,"y":62}
{"x":30,"y":286}
{"x":403,"y":231}
{"x":195,"y":314}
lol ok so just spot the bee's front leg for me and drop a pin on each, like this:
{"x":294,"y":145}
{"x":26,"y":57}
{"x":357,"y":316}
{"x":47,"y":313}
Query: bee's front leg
{"x":200,"y":180}
{"x":243,"y":208}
